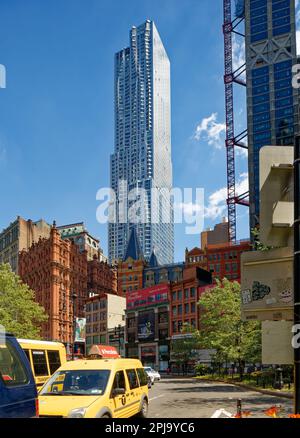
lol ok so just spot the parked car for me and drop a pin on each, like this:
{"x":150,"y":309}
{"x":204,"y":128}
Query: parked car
{"x":18,"y":393}
{"x":154,"y":375}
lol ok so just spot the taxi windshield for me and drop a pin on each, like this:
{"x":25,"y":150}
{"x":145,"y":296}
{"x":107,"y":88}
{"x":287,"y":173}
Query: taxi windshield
{"x":77,"y":382}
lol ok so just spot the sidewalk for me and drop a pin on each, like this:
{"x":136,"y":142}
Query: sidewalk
{"x":274,"y":392}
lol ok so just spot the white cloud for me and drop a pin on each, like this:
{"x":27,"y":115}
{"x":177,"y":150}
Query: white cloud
{"x":188,"y":208}
{"x":211,"y":131}
{"x":217,"y":206}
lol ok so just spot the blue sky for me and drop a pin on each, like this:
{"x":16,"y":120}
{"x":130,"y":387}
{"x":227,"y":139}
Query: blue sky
{"x":56,"y":113}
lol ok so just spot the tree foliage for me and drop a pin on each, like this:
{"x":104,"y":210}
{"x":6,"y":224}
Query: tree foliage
{"x":182,"y":348}
{"x":222,"y":329}
{"x":19,"y":313}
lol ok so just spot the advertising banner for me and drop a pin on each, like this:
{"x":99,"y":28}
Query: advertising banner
{"x":80,"y":329}
{"x":145,"y":297}
{"x":146,"y":326}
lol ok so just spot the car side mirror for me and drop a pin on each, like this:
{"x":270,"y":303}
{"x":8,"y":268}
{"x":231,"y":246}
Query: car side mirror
{"x":118,"y":391}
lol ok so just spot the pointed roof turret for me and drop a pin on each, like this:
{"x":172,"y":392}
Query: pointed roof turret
{"x":153,"y":263}
{"x":133,"y":249}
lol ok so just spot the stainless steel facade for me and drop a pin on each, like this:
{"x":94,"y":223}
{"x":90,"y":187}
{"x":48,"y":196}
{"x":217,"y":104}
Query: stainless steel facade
{"x":142,"y":154}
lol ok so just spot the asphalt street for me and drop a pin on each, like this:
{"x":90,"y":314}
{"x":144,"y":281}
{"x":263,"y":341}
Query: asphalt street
{"x":191,"y":398}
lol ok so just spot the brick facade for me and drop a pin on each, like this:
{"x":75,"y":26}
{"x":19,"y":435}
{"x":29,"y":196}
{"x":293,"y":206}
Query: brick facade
{"x":222,"y":260}
{"x":102,"y":278}
{"x":55,"y":269}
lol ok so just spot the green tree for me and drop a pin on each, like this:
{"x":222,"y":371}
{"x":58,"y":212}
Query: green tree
{"x":19,"y":313}
{"x":182,"y":348}
{"x":222,"y":329}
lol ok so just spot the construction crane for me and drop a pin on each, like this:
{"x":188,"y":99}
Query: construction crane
{"x":232,"y":141}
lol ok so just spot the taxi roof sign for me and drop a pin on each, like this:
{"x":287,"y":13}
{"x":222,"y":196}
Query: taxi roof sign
{"x":103,"y":352}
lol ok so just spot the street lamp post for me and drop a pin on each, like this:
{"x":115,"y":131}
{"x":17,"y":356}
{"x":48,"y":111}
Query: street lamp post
{"x":297,"y":270}
{"x":118,"y":333}
{"x":74,"y":297}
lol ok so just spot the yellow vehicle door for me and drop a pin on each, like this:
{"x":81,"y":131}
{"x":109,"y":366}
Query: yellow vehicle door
{"x":134,"y":394}
{"x":119,"y":402}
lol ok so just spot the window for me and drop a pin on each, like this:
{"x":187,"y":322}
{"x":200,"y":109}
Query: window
{"x":163,"y":333}
{"x":174,"y":296}
{"x":27,"y":354}
{"x":186,"y":293}
{"x":54,"y":361}
{"x":132,"y":379}
{"x":143,"y":378}
{"x":192,"y":292}
{"x":119,"y":381}
{"x":180,"y":309}
{"x":12,"y":371}
{"x":179,"y":295}
{"x":163,"y":317}
{"x":193,"y":307}
{"x":39,"y":362}
{"x":187,"y":308}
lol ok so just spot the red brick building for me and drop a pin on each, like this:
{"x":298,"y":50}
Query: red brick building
{"x":184,"y":296}
{"x":222,"y":260}
{"x":55,"y":270}
{"x":102,"y":278}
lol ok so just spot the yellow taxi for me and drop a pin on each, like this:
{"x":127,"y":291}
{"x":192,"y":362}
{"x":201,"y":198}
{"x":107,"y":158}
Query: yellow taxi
{"x":100,"y":388}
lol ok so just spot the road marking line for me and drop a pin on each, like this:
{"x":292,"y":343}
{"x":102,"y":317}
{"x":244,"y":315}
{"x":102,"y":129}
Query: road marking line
{"x":154,"y":398}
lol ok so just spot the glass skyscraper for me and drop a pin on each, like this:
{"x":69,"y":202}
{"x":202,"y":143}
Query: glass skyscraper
{"x":272,"y":103}
{"x":142,"y":156}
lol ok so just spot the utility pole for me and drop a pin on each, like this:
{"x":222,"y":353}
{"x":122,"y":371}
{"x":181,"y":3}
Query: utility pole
{"x":297,"y":270}
{"x":118,"y":333}
{"x":74,"y":297}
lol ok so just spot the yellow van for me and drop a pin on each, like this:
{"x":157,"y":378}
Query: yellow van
{"x":44,"y":357}
{"x":101,"y":388}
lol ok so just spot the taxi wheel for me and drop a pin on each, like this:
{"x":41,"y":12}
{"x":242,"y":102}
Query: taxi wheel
{"x":105,"y":416}
{"x":144,"y":410}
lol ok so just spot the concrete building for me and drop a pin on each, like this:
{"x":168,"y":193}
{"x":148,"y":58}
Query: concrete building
{"x":18,"y":236}
{"x":142,"y":155}
{"x":104,"y":313}
{"x":272,"y":102}
{"x":55,"y":269}
{"x":267,"y":275}
{"x":81,"y":237}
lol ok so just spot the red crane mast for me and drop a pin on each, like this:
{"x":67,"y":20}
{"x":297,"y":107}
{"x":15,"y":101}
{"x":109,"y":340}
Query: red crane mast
{"x":232,"y":141}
